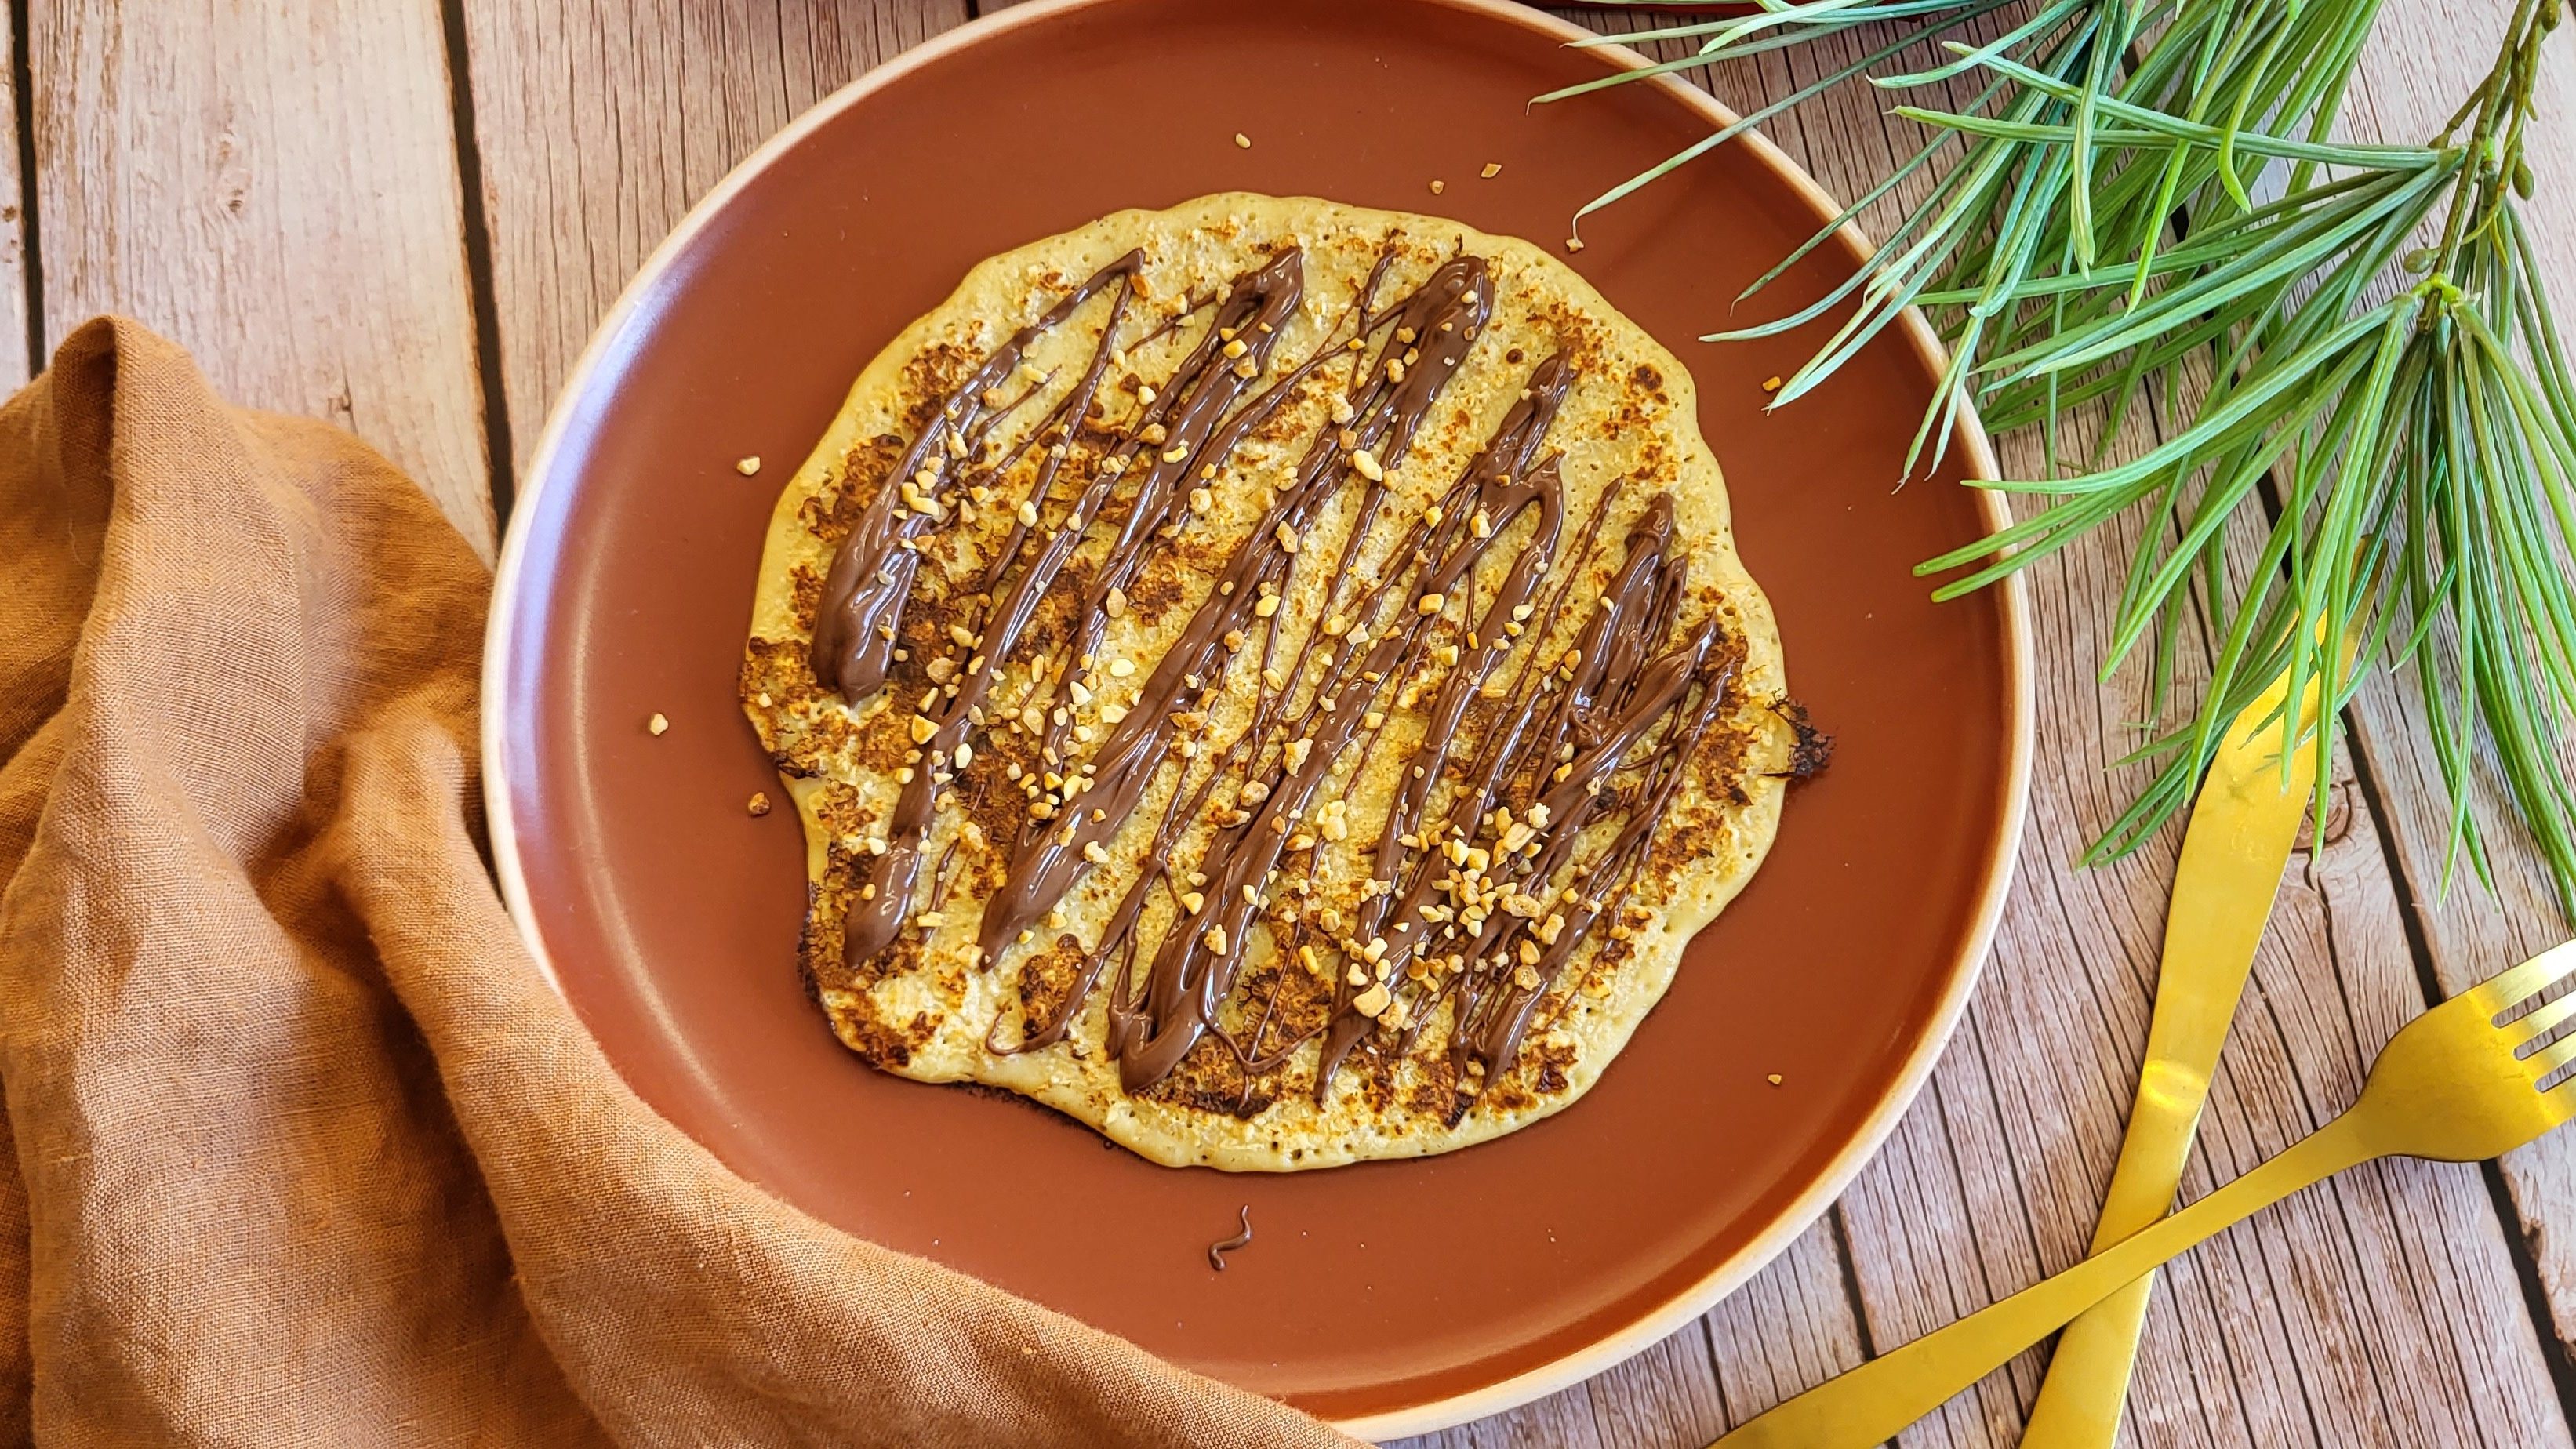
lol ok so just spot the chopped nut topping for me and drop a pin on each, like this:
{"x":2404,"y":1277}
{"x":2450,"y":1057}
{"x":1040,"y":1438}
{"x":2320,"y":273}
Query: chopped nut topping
{"x":759,"y":803}
{"x":1492,"y":170}
{"x":747,"y":466}
{"x":658,"y":723}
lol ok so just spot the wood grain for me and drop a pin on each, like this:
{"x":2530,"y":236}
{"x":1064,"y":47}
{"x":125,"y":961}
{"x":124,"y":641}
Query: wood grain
{"x":17,"y":343}
{"x":275,"y":188}
{"x":600,"y":122}
{"x":2420,"y":61}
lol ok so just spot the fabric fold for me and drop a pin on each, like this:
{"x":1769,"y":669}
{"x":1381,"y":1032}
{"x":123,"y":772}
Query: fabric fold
{"x":300,"y":1148}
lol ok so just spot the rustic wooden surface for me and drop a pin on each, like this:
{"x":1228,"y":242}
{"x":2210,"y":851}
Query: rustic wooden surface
{"x":407,"y":215}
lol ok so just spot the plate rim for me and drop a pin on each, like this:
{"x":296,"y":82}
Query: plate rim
{"x":1967,"y":966}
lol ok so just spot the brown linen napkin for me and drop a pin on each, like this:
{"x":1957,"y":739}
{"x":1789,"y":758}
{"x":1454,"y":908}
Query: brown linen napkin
{"x":304,"y":1151}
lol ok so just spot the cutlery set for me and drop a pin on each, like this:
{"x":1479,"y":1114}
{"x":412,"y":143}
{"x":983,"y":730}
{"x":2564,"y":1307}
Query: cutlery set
{"x":2470,"y":1079}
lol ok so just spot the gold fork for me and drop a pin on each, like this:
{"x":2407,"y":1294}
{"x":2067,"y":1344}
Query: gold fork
{"x":2453,"y":1086}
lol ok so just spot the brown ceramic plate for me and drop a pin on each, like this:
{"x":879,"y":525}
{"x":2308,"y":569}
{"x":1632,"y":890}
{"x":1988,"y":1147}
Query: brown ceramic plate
{"x":1392,"y":1296}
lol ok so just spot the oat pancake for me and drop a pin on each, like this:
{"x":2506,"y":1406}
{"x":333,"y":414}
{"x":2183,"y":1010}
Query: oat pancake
{"x":1269,"y":679}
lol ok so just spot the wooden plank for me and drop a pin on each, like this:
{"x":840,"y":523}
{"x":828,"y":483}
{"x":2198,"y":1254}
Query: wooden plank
{"x":600,"y":122}
{"x":17,"y":344}
{"x":2422,"y":60}
{"x":275,"y":188}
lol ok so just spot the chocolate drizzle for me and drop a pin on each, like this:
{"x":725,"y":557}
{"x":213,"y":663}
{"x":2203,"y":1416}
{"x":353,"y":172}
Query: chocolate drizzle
{"x":1208,"y":382}
{"x":872,"y":571}
{"x":1466,"y":907}
{"x":1241,"y":1239}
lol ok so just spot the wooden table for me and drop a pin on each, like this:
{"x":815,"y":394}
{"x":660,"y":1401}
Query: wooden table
{"x":406,"y":215}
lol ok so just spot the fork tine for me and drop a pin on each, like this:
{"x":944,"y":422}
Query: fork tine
{"x":2518,"y":984}
{"x":2540,"y":1019}
{"x":2550,"y":1058}
{"x":2562,"y":1099}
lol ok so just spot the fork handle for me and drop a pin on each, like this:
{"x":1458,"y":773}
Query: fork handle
{"x":1868,"y":1405}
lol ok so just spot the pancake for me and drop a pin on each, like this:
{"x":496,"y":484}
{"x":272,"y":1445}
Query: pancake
{"x":1269,"y":679}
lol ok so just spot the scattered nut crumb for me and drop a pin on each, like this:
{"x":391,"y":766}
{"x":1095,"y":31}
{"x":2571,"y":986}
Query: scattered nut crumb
{"x":1771,"y":384}
{"x":1773,"y":1079}
{"x":759,"y":804}
{"x":748,"y":466}
{"x":1243,"y":140}
{"x":1492,"y":170}
{"x":658,"y":723}
{"x":1574,"y":243}
{"x":1439,"y":186}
